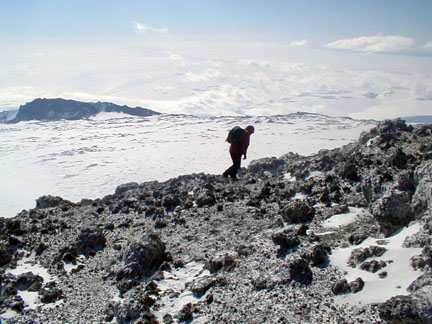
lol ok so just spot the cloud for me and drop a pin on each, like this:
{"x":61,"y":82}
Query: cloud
{"x":393,"y":109}
{"x":184,"y":80}
{"x":267,"y":64}
{"x":177,"y":59}
{"x":428,"y":46}
{"x":298,"y":43}
{"x":13,"y":97}
{"x":142,"y":28}
{"x":208,"y":74}
{"x":373,"y":44}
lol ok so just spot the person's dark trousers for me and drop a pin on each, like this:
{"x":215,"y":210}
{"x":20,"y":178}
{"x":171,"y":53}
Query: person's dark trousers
{"x":232,"y":170}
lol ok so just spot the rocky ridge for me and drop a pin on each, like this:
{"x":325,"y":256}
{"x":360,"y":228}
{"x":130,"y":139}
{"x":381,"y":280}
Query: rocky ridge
{"x":57,"y":109}
{"x":199,"y":248}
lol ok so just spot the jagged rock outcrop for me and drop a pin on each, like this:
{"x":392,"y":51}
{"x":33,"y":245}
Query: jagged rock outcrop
{"x":406,"y":310}
{"x":49,"y":201}
{"x":251,"y":251}
{"x":138,"y":258}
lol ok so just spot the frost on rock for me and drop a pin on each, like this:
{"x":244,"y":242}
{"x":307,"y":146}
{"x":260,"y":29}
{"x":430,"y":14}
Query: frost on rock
{"x":344,"y":238}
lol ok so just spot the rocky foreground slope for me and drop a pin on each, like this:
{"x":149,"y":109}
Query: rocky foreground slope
{"x":202,"y":249}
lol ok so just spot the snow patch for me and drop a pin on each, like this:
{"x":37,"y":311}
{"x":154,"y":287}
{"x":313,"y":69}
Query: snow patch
{"x":8,"y":314}
{"x":300,"y":196}
{"x":323,"y":233}
{"x":29,"y":264}
{"x":345,"y":219}
{"x":30,"y":298}
{"x":175,"y":292}
{"x":314,"y":174}
{"x":104,"y":115}
{"x":69,"y":266}
{"x":399,"y":272}
{"x":289,"y":177}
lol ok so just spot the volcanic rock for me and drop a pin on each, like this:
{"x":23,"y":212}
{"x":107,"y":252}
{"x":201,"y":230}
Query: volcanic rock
{"x":298,"y":211}
{"x":138,"y":258}
{"x":405,"y":310}
{"x":109,"y":259}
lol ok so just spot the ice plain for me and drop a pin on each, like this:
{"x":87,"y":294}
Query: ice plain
{"x":90,"y":158}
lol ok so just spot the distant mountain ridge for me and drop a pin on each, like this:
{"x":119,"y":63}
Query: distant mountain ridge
{"x":57,"y":109}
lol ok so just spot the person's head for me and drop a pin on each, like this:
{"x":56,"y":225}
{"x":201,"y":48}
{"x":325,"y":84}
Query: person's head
{"x":250,"y":129}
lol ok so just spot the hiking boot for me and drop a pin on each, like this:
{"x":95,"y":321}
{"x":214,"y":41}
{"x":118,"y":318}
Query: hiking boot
{"x":225,"y":175}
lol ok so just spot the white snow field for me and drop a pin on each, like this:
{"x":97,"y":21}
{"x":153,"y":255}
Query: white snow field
{"x":90,"y":158}
{"x":399,"y":272}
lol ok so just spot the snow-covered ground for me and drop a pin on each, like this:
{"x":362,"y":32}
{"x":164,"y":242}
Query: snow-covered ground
{"x":175,"y":290}
{"x":89,"y":158}
{"x":346,"y":218}
{"x":30,"y":298}
{"x":399,"y":273}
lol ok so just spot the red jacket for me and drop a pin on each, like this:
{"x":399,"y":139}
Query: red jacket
{"x":242,"y":145}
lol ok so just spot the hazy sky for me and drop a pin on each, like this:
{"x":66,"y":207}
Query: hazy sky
{"x":365,"y":59}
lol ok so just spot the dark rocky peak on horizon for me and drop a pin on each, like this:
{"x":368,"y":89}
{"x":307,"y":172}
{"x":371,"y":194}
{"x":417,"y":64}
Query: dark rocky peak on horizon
{"x":57,"y":109}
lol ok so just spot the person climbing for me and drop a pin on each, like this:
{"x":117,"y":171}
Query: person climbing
{"x":239,"y":139}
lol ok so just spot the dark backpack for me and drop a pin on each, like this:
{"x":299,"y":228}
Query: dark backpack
{"x":234,"y":135}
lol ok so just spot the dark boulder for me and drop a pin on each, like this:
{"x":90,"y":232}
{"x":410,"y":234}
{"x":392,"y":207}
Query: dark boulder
{"x":185,"y":314}
{"x":298,"y":211}
{"x":200,"y":285}
{"x":15,"y":226}
{"x":218,"y":262}
{"x":286,"y":239}
{"x":140,"y":257}
{"x":90,"y":239}
{"x":9,"y":289}
{"x":405,"y":310}
{"x":373,"y":265}
{"x":15,"y":241}
{"x":356,"y":285}
{"x":29,"y":281}
{"x":206,"y":199}
{"x":49,"y":201}
{"x":348,"y":171}
{"x":422,"y":198}
{"x":425,"y":280}
{"x":50,"y":293}
{"x":392,"y":126}
{"x":393,"y":210}
{"x":341,"y":287}
{"x":5,"y":255}
{"x":170,"y":202}
{"x":398,"y":159}
{"x":361,"y":254}
{"x":299,"y":271}
{"x":419,"y":262}
{"x":319,"y":254}
{"x":126,"y":187}
{"x":357,"y":238}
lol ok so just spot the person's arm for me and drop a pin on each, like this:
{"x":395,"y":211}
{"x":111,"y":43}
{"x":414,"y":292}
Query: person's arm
{"x":245,"y":145}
